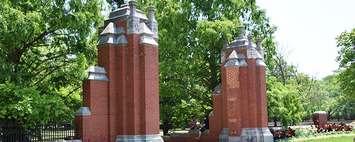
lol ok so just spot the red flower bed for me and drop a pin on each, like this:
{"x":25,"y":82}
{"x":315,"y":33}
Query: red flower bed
{"x":281,"y":134}
{"x":333,"y":127}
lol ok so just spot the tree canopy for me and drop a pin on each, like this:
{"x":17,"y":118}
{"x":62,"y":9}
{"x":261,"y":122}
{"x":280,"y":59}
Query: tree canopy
{"x":45,"y":47}
{"x":346,"y":77}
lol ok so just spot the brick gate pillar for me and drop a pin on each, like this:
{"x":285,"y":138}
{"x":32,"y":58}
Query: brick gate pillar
{"x":126,"y":107}
{"x":243,"y":107}
{"x":92,"y":120}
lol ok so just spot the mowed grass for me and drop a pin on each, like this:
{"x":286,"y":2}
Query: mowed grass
{"x":337,"y":139}
{"x":349,"y":138}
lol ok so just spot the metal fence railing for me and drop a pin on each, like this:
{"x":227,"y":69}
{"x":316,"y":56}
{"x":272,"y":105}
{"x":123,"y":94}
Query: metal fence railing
{"x":47,"y":133}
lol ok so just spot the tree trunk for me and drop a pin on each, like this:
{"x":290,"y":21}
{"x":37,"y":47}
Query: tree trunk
{"x":14,"y":58}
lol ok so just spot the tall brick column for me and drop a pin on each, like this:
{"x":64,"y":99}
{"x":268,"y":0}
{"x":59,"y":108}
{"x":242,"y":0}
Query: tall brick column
{"x":128,"y":52}
{"x":92,"y":120}
{"x":241,"y":104}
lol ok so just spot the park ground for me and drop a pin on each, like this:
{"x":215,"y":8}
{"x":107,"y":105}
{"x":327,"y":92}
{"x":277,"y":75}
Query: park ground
{"x":305,"y":132}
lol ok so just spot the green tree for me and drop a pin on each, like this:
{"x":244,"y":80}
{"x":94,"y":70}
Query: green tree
{"x":284,"y":104}
{"x":191,"y":36}
{"x":45,"y":47}
{"x":337,"y":105}
{"x":29,"y":108}
{"x":346,"y":58}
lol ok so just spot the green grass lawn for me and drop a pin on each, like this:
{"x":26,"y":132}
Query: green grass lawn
{"x":337,"y":138}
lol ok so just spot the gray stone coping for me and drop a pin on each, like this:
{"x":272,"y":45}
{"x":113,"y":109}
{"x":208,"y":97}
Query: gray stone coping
{"x":139,"y":138}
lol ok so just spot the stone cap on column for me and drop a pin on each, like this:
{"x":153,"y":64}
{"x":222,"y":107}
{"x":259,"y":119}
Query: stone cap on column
{"x":97,"y":73}
{"x":242,"y":61}
{"x":83,"y":111}
{"x":147,"y":36}
{"x":136,"y":23}
{"x":320,"y":112}
{"x":232,"y":60}
{"x":252,"y":53}
{"x":113,"y":35}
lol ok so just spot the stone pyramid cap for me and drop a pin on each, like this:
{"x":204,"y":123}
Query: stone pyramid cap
{"x":97,"y":73}
{"x":146,"y":35}
{"x":233,"y":55}
{"x":83,"y":111}
{"x":112,"y":29}
{"x":252,"y":53}
{"x":148,"y":40}
{"x":232,"y":60}
{"x":113,"y":35}
{"x":111,"y":39}
{"x":143,"y":29}
{"x":96,"y":69}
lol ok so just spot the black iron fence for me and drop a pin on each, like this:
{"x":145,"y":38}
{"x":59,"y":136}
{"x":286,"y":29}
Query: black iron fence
{"x":47,"y":133}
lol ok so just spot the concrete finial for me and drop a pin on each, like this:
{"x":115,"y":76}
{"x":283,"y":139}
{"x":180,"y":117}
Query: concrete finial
{"x":151,"y":13}
{"x":258,"y":42}
{"x":132,"y":5}
{"x":132,"y":2}
{"x":250,"y":40}
{"x":151,"y":9}
{"x":152,"y":22}
{"x":242,"y":32}
{"x":114,"y":5}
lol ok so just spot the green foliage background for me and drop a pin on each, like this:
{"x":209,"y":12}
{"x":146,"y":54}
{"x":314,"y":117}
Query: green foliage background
{"x":47,"y":45}
{"x":45,"y":48}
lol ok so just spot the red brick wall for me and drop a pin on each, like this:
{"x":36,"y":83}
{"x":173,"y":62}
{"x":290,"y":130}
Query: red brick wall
{"x":215,"y":122}
{"x":244,"y":96}
{"x":94,"y":128}
{"x":262,"y":103}
{"x":252,"y":107}
{"x":231,"y":99}
{"x":150,"y":89}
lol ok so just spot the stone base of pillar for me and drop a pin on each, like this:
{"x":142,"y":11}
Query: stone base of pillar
{"x":139,"y":138}
{"x":224,"y":135}
{"x":248,"y":135}
{"x":256,"y":135}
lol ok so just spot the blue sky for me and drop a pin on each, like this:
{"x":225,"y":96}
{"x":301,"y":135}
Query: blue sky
{"x":306,"y":31}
